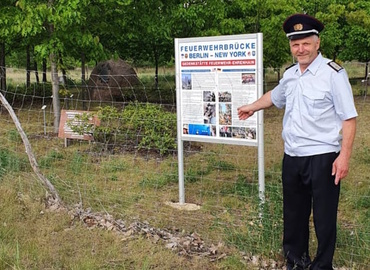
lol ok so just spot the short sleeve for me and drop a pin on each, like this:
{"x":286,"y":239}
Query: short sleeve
{"x":278,"y":96}
{"x":343,"y":96}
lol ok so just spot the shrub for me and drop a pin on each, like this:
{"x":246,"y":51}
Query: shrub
{"x":146,"y":126}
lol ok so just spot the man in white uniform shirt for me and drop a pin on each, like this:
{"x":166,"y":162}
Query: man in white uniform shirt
{"x":319,"y":127}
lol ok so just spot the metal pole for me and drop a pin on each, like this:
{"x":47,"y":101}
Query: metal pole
{"x":180,"y":155}
{"x":261,"y":155}
{"x":367,"y":82}
{"x":180,"y":146}
{"x":44,"y":113}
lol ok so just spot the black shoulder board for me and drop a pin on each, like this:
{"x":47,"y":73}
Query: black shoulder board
{"x":292,"y":65}
{"x":335,"y":66}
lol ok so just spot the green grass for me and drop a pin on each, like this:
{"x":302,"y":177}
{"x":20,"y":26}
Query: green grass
{"x":33,"y":238}
{"x":11,"y":162}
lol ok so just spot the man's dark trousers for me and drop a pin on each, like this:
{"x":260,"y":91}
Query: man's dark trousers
{"x":308,"y":183}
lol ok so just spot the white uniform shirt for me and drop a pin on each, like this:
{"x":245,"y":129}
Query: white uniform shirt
{"x":316,"y":103}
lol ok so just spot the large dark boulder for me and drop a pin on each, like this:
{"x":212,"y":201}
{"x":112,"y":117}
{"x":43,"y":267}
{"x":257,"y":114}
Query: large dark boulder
{"x":112,"y":80}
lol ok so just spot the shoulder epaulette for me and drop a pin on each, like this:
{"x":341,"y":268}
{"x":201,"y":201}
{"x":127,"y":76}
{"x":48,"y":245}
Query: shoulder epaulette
{"x":292,"y":65}
{"x":335,"y":66}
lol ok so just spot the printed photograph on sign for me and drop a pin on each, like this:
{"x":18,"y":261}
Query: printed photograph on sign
{"x":224,"y":96}
{"x":225,"y":131}
{"x":209,"y":96}
{"x":209,"y":113}
{"x":186,"y":81}
{"x":225,"y":114}
{"x":248,"y":78}
{"x":196,"y":129}
{"x":244,"y":133}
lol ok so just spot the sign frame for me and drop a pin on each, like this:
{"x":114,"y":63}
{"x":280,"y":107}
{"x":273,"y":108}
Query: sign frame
{"x":212,"y":66}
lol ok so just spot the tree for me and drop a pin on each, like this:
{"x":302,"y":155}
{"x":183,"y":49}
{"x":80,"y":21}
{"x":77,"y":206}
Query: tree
{"x":275,"y":43}
{"x":347,"y":28}
{"x":145,"y":34}
{"x":7,"y":11}
{"x":333,"y":36}
{"x":143,"y":31}
{"x":56,"y":23}
{"x":358,"y":39}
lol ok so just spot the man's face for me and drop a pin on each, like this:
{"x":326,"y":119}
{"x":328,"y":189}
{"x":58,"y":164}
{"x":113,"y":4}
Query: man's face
{"x":305,"y":50}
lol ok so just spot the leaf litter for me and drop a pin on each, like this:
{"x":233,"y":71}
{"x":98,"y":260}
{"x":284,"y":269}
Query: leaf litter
{"x":184,"y":244}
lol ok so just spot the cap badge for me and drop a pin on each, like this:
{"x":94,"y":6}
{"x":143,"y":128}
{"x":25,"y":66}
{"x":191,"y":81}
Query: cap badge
{"x":298,"y":27}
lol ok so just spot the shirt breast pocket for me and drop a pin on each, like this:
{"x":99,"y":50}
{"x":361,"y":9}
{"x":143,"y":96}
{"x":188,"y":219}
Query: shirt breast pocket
{"x":315,"y":102}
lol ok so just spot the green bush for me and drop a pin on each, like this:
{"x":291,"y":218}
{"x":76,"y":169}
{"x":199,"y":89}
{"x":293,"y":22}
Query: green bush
{"x":145,"y":126}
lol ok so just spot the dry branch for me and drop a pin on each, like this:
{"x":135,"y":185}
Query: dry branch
{"x":31,"y":157}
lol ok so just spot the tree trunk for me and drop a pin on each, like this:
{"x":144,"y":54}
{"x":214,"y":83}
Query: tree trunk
{"x":44,"y":67}
{"x":28,"y":67}
{"x":2,"y":67}
{"x":83,"y":71}
{"x":36,"y":72}
{"x":64,"y":74}
{"x":55,"y":91}
{"x":83,"y":80}
{"x":156,"y":60}
{"x":54,"y":78}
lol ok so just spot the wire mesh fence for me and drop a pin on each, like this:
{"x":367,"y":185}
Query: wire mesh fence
{"x":130,"y":169}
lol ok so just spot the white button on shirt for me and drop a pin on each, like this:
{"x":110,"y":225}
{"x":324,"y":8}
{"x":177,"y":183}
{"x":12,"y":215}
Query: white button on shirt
{"x":316,"y":103}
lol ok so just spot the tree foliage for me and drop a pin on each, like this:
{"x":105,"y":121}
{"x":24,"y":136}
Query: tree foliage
{"x":357,"y":43}
{"x":142,"y":31}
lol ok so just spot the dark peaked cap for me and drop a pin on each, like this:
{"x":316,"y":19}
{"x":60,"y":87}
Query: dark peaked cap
{"x":301,"y":25}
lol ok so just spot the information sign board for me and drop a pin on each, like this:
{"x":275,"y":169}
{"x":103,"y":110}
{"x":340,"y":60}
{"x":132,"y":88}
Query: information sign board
{"x":215,"y":76}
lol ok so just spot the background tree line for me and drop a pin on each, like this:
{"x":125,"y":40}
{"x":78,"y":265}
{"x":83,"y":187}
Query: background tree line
{"x":43,"y":34}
